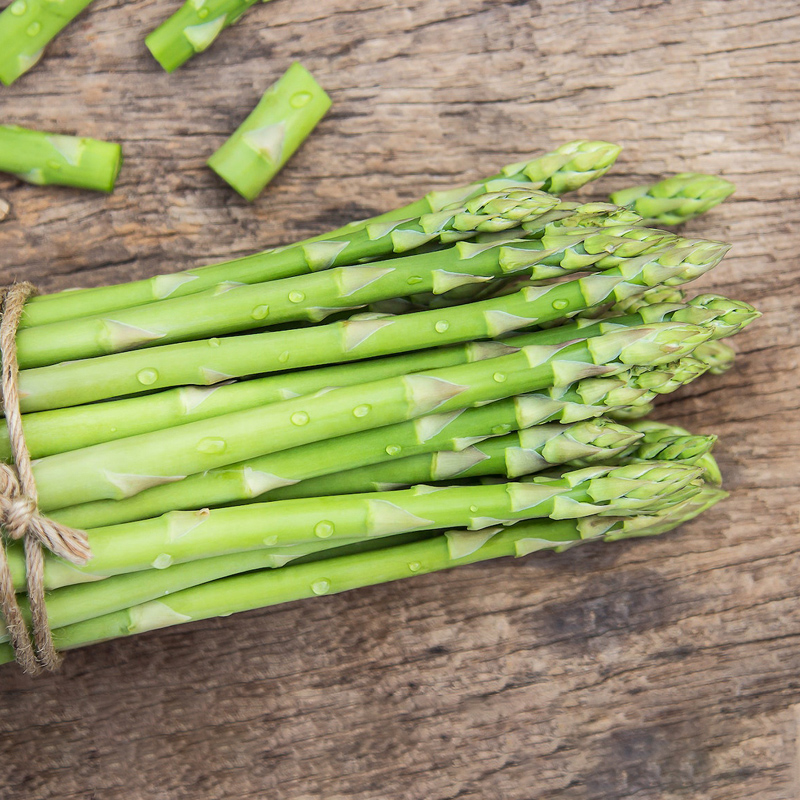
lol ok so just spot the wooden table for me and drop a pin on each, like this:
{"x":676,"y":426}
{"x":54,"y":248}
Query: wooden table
{"x":656,"y":669}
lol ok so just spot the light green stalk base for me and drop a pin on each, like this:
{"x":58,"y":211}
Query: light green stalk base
{"x":259,"y":589}
{"x":192,"y":29}
{"x":284,"y":117}
{"x":26,"y":27}
{"x":53,"y":159}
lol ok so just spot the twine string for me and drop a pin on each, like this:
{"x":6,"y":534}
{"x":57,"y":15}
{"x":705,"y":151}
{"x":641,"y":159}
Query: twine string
{"x":19,"y":509}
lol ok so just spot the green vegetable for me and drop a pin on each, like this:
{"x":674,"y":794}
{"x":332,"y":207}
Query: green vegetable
{"x":675,"y":200}
{"x":192,"y":29}
{"x":125,"y":467}
{"x":261,"y":588}
{"x":182,"y":536}
{"x":313,"y":297}
{"x":51,"y":158}
{"x":26,"y":28}
{"x":284,"y":117}
{"x":56,"y":431}
{"x":570,"y":166}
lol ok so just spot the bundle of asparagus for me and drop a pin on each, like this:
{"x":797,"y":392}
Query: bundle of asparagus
{"x":263,"y":430}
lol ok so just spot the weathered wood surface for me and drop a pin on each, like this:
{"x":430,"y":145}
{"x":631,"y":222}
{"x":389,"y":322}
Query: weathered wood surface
{"x":655,"y":669}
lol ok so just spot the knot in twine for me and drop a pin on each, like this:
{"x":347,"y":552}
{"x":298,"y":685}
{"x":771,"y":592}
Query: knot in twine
{"x":20,"y":517}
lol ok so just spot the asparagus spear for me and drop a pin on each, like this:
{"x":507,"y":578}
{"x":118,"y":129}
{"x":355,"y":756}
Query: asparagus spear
{"x":283,"y":119}
{"x":570,"y":166}
{"x":449,"y":435}
{"x":74,"y":427}
{"x":192,"y":29}
{"x":181,"y":536}
{"x":313,"y":297}
{"x":675,"y":200}
{"x":529,"y":451}
{"x":214,"y":360}
{"x":26,"y":27}
{"x":51,"y":158}
{"x":60,"y":430}
{"x":489,"y":211}
{"x":74,"y":602}
{"x":128,"y":466}
{"x":513,"y":455}
{"x":332,"y":575}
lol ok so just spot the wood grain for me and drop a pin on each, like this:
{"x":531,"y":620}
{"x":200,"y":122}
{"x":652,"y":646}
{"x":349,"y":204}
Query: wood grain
{"x":655,"y":670}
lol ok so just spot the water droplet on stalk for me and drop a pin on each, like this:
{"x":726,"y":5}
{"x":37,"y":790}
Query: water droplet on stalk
{"x":296,"y":297}
{"x":284,"y":357}
{"x":393,"y":449}
{"x":559,"y":304}
{"x":441,"y":326}
{"x":147,"y":377}
{"x":260,"y":312}
{"x":299,"y":418}
{"x":18,"y":8}
{"x":323,"y":529}
{"x":362,"y":411}
{"x":162,"y":561}
{"x":414,"y":566}
{"x":414,"y":280}
{"x":299,"y":99}
{"x":321,"y":586}
{"x":499,"y":377}
{"x":33,"y":28}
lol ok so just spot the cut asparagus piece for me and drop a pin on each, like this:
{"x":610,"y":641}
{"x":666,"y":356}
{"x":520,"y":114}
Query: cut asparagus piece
{"x":283,"y":119}
{"x":182,"y":536}
{"x":26,"y":28}
{"x":337,"y":574}
{"x":675,"y":200}
{"x":571,"y":165}
{"x":192,"y":29}
{"x":51,"y":158}
{"x":125,"y":467}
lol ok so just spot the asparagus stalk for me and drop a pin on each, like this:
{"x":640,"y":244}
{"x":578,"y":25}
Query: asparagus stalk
{"x":529,"y":451}
{"x":516,"y":454}
{"x":489,"y":211}
{"x":312,"y":297}
{"x":192,"y":29}
{"x":51,"y":158}
{"x":449,"y":436}
{"x":675,"y":200}
{"x":585,"y":399}
{"x":74,"y":427}
{"x":570,"y":166}
{"x":26,"y":27}
{"x":74,"y":602}
{"x":60,"y":430}
{"x":128,"y":466}
{"x":329,"y":576}
{"x":182,"y":536}
{"x":214,"y":360}
{"x":283,"y":119}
